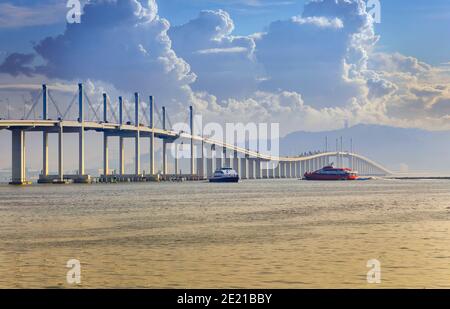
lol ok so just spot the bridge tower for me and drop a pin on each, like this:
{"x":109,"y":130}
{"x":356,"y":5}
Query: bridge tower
{"x":81,"y":143}
{"x":164,"y":150}
{"x":105,"y":138}
{"x":137,"y":144}
{"x":44,"y":133}
{"x":121,"y":141}
{"x":191,"y":123}
{"x":152,"y":136}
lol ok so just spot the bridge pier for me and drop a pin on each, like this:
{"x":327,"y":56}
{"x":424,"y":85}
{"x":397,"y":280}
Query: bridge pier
{"x":244,"y":168}
{"x":271,"y":167}
{"x":105,"y":139}
{"x":81,"y":137}
{"x":209,"y":167}
{"x":293,"y":174}
{"x":277,"y":170}
{"x":105,"y":155}
{"x":251,"y":168}
{"x":258,"y":169}
{"x":18,"y":158}
{"x":121,"y":141}
{"x":137,"y":143}
{"x":60,"y":154}
{"x":45,"y":153}
{"x":152,"y":136}
{"x":201,"y":167}
{"x":192,"y":158}
{"x":237,"y":164}
{"x":44,"y":133}
{"x":282,"y":169}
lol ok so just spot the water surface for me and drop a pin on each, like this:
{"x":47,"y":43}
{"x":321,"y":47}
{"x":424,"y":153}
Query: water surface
{"x":256,"y":234}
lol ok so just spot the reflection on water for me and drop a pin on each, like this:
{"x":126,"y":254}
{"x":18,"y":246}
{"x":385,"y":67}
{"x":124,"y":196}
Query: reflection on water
{"x":257,"y":234}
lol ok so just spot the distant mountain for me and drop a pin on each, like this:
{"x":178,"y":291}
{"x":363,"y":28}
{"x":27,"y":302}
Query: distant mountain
{"x":398,"y":149}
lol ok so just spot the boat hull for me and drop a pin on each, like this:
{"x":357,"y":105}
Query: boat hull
{"x":224,"y":180}
{"x":318,"y":177}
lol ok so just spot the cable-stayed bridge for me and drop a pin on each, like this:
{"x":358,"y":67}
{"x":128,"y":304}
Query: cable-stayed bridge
{"x":117,"y":121}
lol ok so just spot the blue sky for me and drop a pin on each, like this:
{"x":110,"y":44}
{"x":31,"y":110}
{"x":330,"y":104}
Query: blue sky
{"x":412,"y":27}
{"x":310,"y":65}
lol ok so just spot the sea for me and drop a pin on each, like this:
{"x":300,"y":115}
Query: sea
{"x":254,"y":234}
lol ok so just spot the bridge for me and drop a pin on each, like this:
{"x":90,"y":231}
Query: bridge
{"x":250,"y":164}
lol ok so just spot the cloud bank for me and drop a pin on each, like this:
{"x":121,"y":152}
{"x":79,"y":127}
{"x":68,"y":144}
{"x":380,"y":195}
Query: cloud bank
{"x":314,"y":71}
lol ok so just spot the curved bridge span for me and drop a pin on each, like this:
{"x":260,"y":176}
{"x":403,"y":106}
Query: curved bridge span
{"x":250,"y":164}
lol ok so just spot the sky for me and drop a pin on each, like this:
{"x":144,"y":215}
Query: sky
{"x":310,"y":65}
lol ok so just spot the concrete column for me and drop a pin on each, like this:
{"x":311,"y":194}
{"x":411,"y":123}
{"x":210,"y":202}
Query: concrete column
{"x":258,"y":170}
{"x":264,"y":169}
{"x":45,"y":154}
{"x":271,"y":171}
{"x":81,"y":132}
{"x":137,"y":144}
{"x":213,"y":160}
{"x":61,"y":153}
{"x":121,"y":156}
{"x":164,"y":157}
{"x":192,"y":159}
{"x":209,"y":167}
{"x":201,"y":160}
{"x":176,"y":159}
{"x":18,"y":157}
{"x":237,"y":164}
{"x":282,"y":170}
{"x":277,"y":173}
{"x":244,"y":168}
{"x":105,"y":138}
{"x":152,"y":136}
{"x":227,"y":162}
{"x":251,"y":169}
{"x":121,"y":141}
{"x":164,"y":150}
{"x":105,"y":155}
{"x":137,"y":153}
{"x":219,"y":160}
{"x":45,"y":134}
{"x":200,"y":167}
{"x":293,"y":170}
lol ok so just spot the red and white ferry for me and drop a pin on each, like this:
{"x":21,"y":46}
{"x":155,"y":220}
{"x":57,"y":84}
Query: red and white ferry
{"x":332,"y":173}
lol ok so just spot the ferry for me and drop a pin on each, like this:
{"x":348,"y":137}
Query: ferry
{"x":225,"y":174}
{"x":332,"y":173}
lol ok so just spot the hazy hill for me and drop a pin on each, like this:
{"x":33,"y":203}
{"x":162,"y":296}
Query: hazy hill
{"x":396,"y":148}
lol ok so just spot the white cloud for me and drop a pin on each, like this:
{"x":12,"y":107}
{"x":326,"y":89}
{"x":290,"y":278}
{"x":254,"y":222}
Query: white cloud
{"x":224,"y":63}
{"x":310,"y":72}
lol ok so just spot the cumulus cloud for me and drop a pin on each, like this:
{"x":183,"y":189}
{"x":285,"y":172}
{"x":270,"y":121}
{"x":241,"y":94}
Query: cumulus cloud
{"x":313,"y":72}
{"x":319,"y":54}
{"x":124,"y":43}
{"x":17,"y":63}
{"x":224,"y":63}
